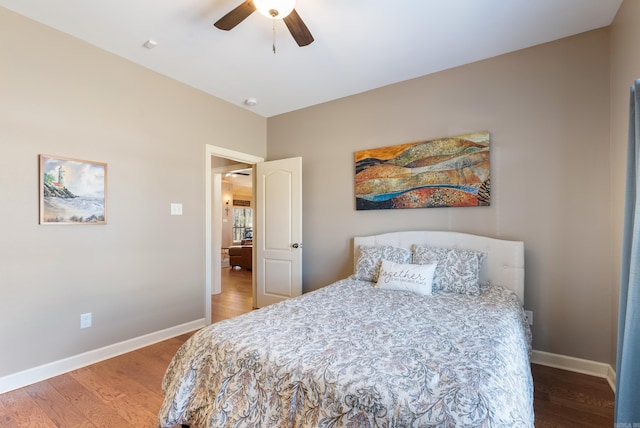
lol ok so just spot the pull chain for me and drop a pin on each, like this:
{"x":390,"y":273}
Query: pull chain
{"x":274,"y":36}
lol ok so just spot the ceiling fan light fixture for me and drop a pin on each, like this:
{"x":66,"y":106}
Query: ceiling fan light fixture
{"x":275,"y":9}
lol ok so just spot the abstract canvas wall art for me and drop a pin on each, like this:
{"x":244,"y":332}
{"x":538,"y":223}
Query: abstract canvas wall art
{"x":72,"y":191}
{"x":444,"y":172}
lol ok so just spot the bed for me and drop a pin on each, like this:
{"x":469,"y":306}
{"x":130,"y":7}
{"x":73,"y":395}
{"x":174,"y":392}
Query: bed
{"x":372,"y":350}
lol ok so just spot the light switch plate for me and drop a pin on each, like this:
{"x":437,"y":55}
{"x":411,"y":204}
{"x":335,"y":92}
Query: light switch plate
{"x":176,"y":209}
{"x":85,"y":320}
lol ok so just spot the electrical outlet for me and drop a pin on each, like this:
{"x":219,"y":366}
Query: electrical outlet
{"x":85,"y":320}
{"x":529,"y":315}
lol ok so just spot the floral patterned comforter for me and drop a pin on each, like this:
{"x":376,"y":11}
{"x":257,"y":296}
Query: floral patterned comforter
{"x":351,"y":355}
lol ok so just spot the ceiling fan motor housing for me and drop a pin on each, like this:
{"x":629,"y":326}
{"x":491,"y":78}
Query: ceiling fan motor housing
{"x":275,"y":9}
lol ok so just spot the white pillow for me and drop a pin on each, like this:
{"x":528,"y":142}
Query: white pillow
{"x":406,"y":277}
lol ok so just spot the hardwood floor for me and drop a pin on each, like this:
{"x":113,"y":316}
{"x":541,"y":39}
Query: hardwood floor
{"x":120,"y":392}
{"x":125,"y":391}
{"x":568,"y":399}
{"x":236,"y":297}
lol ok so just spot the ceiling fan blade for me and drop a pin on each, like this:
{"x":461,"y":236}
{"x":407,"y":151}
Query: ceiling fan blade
{"x":298,"y":29}
{"x":236,"y":16}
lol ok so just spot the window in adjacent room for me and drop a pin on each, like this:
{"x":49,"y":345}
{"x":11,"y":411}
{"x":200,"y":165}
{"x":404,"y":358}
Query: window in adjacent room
{"x":242,"y":224}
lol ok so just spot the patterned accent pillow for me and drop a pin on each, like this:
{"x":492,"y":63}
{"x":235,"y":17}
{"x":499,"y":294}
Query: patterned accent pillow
{"x":458,"y":271}
{"x":406,"y":277}
{"x":371,"y":256}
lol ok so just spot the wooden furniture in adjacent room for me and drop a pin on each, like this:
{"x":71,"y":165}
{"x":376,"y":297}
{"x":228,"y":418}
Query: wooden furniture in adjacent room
{"x":242,"y":256}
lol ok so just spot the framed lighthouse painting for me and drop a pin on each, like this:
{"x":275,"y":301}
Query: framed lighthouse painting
{"x":72,"y":191}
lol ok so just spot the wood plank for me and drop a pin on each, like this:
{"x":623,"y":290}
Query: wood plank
{"x":236,"y":296}
{"x":142,"y":368}
{"x":568,"y":399}
{"x":118,"y":374}
{"x":60,"y":411}
{"x":6,"y":421}
{"x":24,"y":410}
{"x":164,"y":351}
{"x":89,"y":404}
{"x":138,"y":409}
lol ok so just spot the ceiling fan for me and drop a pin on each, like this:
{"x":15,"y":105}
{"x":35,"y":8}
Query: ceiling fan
{"x":273,"y":9}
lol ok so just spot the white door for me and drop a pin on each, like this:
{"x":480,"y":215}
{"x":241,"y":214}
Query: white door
{"x":278,"y":231}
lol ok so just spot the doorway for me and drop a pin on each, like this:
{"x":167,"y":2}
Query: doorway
{"x":214,"y":215}
{"x":236,"y":296}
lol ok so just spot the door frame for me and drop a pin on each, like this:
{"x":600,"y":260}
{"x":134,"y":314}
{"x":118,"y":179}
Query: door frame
{"x":213,"y":220}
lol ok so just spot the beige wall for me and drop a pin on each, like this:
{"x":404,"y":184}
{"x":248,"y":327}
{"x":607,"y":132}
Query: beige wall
{"x":547,"y":109}
{"x":144,"y":271}
{"x":625,"y":68}
{"x":227,"y":213}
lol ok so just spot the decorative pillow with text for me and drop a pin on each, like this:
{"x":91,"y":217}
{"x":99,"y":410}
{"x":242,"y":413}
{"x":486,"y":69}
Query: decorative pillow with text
{"x":406,"y":277}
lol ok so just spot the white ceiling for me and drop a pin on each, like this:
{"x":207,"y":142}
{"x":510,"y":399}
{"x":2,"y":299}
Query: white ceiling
{"x":359,"y":44}
{"x":238,"y":180}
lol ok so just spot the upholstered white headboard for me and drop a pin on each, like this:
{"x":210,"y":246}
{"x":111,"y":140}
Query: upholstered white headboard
{"x":504,"y":264}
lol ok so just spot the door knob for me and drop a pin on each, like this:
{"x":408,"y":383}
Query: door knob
{"x":296,"y":245}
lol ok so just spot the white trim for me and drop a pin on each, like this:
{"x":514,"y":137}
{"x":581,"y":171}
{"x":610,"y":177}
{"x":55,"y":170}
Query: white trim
{"x":221,"y":152}
{"x":49,"y":370}
{"x":611,"y":378}
{"x":212,"y":198}
{"x":578,"y":365}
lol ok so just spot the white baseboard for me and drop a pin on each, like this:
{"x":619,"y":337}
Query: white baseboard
{"x":49,"y":370}
{"x":577,"y":365}
{"x":611,"y":378}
